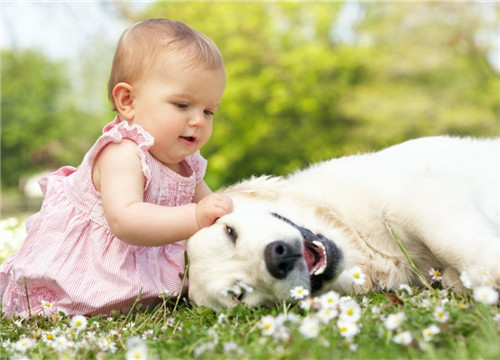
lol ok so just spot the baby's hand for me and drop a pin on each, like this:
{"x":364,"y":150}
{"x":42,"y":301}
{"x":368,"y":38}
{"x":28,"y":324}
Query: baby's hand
{"x":212,"y":207}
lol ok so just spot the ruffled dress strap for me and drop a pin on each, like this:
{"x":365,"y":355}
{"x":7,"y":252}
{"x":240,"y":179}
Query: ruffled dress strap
{"x":116,"y":132}
{"x":198,"y":164}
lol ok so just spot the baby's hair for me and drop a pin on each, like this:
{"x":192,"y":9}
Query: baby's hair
{"x":143,"y":44}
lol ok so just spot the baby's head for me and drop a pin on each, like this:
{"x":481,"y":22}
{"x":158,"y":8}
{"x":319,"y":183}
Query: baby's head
{"x":154,"y":41}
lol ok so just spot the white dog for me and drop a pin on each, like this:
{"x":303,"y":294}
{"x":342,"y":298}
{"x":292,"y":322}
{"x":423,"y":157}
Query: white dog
{"x":439,"y":195}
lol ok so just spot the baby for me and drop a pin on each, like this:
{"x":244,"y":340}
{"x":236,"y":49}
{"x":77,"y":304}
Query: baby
{"x":112,"y":229}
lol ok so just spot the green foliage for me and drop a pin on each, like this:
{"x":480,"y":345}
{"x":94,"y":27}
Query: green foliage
{"x":40,"y":130}
{"x":296,"y":94}
{"x":29,"y":112}
{"x":427,"y":74}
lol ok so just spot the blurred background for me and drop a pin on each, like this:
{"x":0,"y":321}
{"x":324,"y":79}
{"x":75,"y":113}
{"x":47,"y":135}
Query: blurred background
{"x":306,"y":80}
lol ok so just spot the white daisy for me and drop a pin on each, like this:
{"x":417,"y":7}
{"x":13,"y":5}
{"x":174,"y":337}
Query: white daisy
{"x":232,"y":348}
{"x":78,"y":322}
{"x":348,"y":329}
{"x":237,"y":289}
{"x":306,"y":304}
{"x":268,"y":325}
{"x":486,"y":295}
{"x":298,"y":293}
{"x":485,"y":275}
{"x":138,"y":352}
{"x":106,"y":344}
{"x":357,"y":276}
{"x":376,"y":310}
{"x":18,"y":323}
{"x":281,"y":334}
{"x":24,"y":344}
{"x":7,"y":345}
{"x":350,"y":310}
{"x":202,"y":348}
{"x":393,"y":321}
{"x":465,"y":279}
{"x":403,"y":338}
{"x":309,"y":327}
{"x":289,"y":318}
{"x":425,"y":304}
{"x":129,"y":326}
{"x":429,"y":332}
{"x":435,"y":274}
{"x":329,"y":300}
{"x":48,"y":337}
{"x":349,"y":344}
{"x":406,"y":288}
{"x":326,"y":314}
{"x":293,"y":318}
{"x":148,"y":333}
{"x":46,"y":305}
{"x":244,"y":287}
{"x":222,"y":318}
{"x":134,"y":341}
{"x":441,"y":315}
{"x":61,"y":343}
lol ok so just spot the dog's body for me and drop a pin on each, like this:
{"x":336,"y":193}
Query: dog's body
{"x":440,"y":195}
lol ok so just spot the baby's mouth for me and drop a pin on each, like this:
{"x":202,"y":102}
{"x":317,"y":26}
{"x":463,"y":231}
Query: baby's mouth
{"x":188,"y":139}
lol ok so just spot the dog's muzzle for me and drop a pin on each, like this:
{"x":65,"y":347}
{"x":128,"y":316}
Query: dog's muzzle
{"x":320,"y":254}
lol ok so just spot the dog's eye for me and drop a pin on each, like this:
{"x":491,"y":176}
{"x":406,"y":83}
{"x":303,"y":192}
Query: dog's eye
{"x":231,"y":233}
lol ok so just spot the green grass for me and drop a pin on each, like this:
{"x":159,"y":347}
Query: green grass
{"x":469,"y":329}
{"x":187,"y":331}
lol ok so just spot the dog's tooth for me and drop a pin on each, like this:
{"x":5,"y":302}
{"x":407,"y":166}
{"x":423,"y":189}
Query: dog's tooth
{"x":320,"y":270}
{"x":319,"y":244}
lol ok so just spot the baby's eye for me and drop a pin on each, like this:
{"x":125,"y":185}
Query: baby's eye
{"x":209,"y":112}
{"x":181,"y":105}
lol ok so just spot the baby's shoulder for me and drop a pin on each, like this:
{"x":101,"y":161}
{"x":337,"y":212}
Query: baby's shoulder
{"x":116,"y":158}
{"x":115,"y":151}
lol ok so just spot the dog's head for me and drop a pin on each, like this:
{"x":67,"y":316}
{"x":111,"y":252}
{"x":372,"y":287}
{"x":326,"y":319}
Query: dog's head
{"x":257,"y":258}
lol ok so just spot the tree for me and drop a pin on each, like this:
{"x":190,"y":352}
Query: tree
{"x":39,"y":130}
{"x":296,"y":94}
{"x":426,"y":73}
{"x":284,"y":78}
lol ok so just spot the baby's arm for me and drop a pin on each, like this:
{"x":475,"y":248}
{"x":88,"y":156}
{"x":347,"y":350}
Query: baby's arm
{"x":118,"y":177}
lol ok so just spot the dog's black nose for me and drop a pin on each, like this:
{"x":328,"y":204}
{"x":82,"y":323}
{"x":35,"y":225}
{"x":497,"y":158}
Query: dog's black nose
{"x":280,"y":258}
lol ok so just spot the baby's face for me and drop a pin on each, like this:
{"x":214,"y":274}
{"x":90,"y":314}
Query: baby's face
{"x":176,"y":104}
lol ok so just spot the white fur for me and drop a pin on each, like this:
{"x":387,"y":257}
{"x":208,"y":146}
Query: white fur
{"x":439,"y":194}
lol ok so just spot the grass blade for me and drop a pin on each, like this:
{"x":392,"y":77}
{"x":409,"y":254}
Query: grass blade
{"x":412,"y":264}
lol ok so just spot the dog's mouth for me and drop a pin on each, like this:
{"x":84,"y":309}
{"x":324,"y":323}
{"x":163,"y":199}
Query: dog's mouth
{"x":323,"y":259}
{"x":322,"y":256}
{"x":315,"y":256}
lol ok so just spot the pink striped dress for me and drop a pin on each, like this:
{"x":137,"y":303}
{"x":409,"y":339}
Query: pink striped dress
{"x":72,"y":260}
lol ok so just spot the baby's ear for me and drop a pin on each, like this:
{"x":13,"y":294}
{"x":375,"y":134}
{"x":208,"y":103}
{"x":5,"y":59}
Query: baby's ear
{"x":123,"y":94}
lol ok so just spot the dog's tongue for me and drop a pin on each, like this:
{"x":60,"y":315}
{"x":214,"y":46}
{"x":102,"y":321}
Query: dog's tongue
{"x":311,"y":256}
